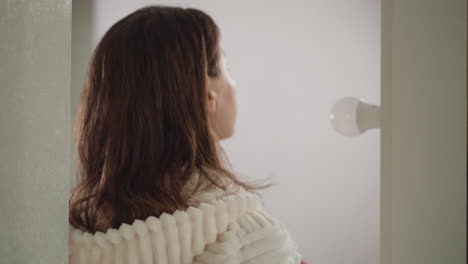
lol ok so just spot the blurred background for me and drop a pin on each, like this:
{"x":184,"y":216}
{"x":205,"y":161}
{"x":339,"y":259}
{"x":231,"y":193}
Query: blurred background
{"x":292,"y":60}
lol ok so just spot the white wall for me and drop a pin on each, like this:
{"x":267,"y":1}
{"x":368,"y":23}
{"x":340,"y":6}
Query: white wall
{"x":292,"y":60}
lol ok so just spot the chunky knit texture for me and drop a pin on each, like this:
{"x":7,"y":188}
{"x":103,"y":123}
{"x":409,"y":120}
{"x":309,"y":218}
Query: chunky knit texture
{"x":218,"y":229}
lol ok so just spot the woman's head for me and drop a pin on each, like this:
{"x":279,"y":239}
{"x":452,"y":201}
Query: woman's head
{"x":156,"y":102}
{"x":171,"y":56}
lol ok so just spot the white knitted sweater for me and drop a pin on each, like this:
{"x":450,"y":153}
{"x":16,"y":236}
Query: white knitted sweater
{"x":218,"y":228}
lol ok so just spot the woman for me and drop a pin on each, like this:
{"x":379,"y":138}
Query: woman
{"x":153,"y":186}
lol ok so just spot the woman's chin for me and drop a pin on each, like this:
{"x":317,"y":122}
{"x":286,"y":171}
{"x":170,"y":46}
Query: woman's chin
{"x":227,"y":135}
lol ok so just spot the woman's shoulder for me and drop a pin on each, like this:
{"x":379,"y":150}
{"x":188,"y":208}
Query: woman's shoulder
{"x":213,"y":215}
{"x":210,"y":192}
{"x":254,"y":236}
{"x":188,"y":231}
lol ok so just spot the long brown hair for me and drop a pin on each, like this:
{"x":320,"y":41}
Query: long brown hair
{"x":141,"y":126}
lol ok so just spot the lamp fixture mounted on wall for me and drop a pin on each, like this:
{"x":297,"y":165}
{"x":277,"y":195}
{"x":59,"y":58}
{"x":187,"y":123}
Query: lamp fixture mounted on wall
{"x":351,"y":117}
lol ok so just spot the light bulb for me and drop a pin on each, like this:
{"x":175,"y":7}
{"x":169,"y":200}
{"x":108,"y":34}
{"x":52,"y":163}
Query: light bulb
{"x":351,"y":117}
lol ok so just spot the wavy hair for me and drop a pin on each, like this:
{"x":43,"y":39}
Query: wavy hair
{"x":141,"y":128}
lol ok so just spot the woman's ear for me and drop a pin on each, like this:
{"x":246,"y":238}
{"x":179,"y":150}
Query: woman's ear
{"x":211,"y":101}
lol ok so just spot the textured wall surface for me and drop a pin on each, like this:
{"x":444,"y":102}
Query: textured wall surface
{"x":34,"y":130}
